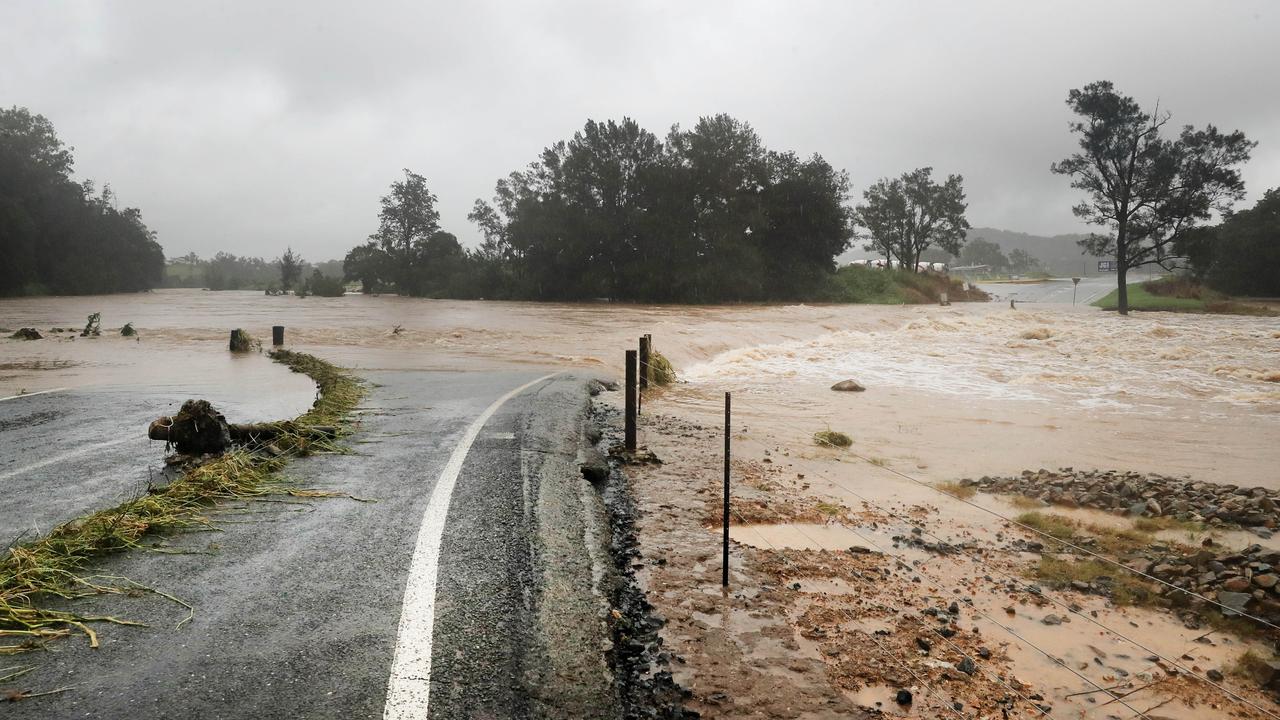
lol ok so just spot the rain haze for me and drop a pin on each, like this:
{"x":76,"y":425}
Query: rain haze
{"x":612,"y":360}
{"x":249,"y":127}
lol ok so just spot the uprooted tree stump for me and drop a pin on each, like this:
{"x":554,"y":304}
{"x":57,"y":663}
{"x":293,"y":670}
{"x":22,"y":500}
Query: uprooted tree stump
{"x":199,"y":429}
{"x":240,"y":341}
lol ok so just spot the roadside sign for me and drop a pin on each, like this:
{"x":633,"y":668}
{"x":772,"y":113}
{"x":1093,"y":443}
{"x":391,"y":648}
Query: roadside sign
{"x":1107,"y":266}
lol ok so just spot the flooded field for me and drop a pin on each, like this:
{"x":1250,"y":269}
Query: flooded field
{"x":955,"y":392}
{"x":968,"y":389}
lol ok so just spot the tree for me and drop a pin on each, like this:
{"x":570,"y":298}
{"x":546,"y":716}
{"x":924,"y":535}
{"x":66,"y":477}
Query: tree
{"x":980,"y":251}
{"x":1022,"y":262}
{"x":1240,"y":256}
{"x":1147,"y":190}
{"x":906,"y":216}
{"x":57,"y":235}
{"x":407,"y":218}
{"x":290,"y":268}
{"x":369,"y":264}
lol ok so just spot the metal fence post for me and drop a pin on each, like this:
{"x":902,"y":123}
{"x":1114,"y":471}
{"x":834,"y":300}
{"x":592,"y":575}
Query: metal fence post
{"x":630,"y":422}
{"x":724,"y":557}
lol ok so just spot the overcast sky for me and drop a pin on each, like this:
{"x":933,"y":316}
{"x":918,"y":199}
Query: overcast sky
{"x":249,"y":126}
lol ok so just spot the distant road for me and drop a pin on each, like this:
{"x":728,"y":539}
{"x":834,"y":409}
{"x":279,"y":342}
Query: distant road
{"x":1053,"y":290}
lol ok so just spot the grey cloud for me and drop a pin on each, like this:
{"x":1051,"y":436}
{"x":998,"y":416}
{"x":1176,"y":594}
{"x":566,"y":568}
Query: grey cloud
{"x":249,"y":126}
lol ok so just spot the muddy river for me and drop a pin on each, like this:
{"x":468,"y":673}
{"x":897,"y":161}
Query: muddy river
{"x":967,"y":389}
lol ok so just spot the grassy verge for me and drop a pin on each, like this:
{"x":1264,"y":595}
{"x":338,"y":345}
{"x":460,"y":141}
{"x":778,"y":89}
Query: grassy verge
{"x":895,"y":286}
{"x":1175,"y":294}
{"x":58,"y":566}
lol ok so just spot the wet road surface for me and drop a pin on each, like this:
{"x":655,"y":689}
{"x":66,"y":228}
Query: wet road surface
{"x":297,"y":604}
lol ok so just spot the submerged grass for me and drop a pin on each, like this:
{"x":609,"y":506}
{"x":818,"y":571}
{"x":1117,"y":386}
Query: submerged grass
{"x":1059,"y":573}
{"x":955,"y":489}
{"x":58,"y":566}
{"x":1115,"y":540}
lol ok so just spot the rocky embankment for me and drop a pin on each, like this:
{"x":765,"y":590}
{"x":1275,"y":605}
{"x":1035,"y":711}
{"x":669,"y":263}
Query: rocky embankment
{"x":1149,"y":495}
{"x":1245,"y":581}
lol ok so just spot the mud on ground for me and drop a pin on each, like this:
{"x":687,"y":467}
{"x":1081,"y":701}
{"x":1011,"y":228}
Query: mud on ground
{"x":835,"y":607}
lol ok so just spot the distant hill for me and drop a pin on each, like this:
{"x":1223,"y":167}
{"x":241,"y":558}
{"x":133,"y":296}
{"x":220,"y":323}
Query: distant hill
{"x":1060,"y":254}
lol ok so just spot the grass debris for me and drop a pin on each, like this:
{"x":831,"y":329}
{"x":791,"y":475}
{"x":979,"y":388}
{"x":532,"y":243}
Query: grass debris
{"x":128,"y":331}
{"x":1111,"y":539}
{"x":1058,"y":573}
{"x":955,"y":489}
{"x":92,"y":328}
{"x":59,"y":565}
{"x":831,"y":438}
{"x":1251,"y":665}
{"x":660,"y":370}
{"x":240,"y":341}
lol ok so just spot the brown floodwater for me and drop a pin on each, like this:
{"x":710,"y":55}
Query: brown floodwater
{"x":962,"y":390}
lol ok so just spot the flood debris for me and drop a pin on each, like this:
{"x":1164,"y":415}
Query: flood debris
{"x":199,"y":429}
{"x":832,"y":438}
{"x":128,"y":331}
{"x":27,"y":334}
{"x":661,"y":372}
{"x":848,"y":386}
{"x":59,"y":565}
{"x":240,"y":341}
{"x":92,"y":328}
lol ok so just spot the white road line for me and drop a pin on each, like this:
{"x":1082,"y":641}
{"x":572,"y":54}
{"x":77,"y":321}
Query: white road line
{"x":30,"y":394}
{"x":409,"y":688}
{"x":84,"y":450}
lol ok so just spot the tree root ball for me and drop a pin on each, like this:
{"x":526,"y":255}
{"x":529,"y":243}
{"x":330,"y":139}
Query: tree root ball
{"x":197,"y":429}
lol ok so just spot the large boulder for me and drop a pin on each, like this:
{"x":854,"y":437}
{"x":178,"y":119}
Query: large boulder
{"x":848,"y":386}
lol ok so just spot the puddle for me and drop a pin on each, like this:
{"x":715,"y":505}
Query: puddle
{"x":884,"y":699}
{"x":798,"y":536}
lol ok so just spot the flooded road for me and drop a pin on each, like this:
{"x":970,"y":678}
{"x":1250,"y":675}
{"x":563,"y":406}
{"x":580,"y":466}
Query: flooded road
{"x":967,"y":389}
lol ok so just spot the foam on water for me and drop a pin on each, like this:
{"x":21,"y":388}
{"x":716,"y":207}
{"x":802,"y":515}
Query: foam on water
{"x":1097,"y":360}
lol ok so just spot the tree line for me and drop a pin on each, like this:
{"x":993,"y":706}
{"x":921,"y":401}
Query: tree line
{"x":706,"y":214}
{"x":59,"y":236}
{"x":226,"y":271}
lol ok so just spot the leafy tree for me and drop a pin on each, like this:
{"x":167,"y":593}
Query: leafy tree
{"x":1240,"y":256}
{"x":1147,"y":190}
{"x":407,"y":218}
{"x":323,"y":286}
{"x":906,"y":216}
{"x":57,"y":235}
{"x":290,"y":268}
{"x":706,"y":214}
{"x":981,"y":251}
{"x":369,"y":264}
{"x":1021,"y":261}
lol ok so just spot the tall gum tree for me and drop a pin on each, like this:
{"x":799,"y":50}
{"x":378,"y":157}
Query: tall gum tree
{"x":906,"y":216}
{"x":1147,"y":190}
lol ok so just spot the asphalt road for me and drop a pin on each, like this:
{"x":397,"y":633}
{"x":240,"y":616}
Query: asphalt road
{"x":1055,"y":290}
{"x":299,"y":605}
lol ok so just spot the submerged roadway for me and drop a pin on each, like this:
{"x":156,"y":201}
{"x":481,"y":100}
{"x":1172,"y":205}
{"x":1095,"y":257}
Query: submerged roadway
{"x":463,"y":578}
